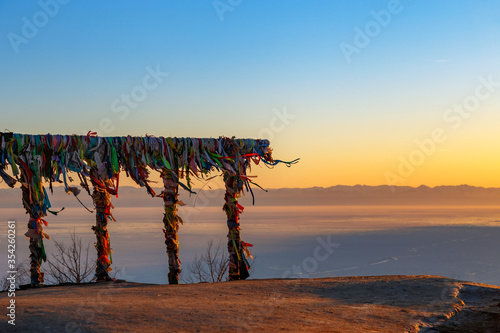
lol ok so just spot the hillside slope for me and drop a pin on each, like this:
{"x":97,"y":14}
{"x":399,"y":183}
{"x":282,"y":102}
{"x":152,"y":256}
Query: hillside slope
{"x":349,"y":304}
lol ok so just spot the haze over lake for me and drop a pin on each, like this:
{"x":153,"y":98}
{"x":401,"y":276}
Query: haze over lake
{"x":454,"y":241}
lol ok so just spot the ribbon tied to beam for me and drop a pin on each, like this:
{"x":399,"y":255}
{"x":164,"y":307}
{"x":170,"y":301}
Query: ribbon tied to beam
{"x":38,"y":159}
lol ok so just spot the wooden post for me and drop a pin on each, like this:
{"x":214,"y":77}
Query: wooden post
{"x":237,"y":266}
{"x":35,"y":230}
{"x":171,"y":221}
{"x":102,"y":203}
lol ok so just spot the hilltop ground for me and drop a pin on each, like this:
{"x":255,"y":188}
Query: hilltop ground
{"x":350,"y":304}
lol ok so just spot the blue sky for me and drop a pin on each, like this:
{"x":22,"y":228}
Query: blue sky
{"x":351,"y":120}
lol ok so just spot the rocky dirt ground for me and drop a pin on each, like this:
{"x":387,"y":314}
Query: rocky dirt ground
{"x":349,"y":304}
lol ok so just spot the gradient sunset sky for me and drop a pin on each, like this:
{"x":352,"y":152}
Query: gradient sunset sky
{"x":364,"y":92}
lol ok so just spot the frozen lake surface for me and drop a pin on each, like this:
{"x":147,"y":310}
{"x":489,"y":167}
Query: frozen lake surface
{"x":456,"y":242}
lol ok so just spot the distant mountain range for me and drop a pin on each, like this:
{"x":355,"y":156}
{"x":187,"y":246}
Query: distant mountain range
{"x":319,"y":196}
{"x":387,"y":195}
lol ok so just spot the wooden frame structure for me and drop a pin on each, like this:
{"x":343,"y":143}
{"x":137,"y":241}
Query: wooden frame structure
{"x":36,"y":160}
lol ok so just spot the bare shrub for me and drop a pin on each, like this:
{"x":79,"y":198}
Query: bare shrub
{"x":70,"y":264}
{"x":209,"y":267}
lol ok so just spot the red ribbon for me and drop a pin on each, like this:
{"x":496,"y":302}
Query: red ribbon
{"x":109,"y":190}
{"x":91,"y":134}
